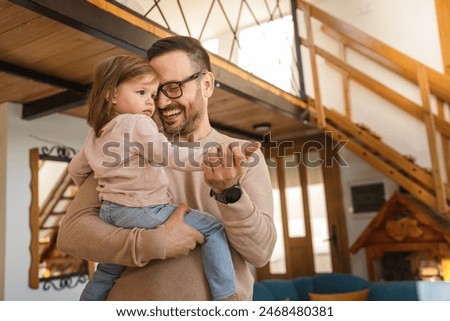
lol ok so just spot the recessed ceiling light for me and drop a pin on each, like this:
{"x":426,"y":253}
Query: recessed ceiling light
{"x":262,"y":127}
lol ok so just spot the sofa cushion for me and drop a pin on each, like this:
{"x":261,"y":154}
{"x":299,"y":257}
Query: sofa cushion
{"x":338,"y":283}
{"x":393,"y":291}
{"x":262,"y":293}
{"x":280,"y":290}
{"x":300,"y":287}
{"x":303,"y":285}
{"x":360,"y":295}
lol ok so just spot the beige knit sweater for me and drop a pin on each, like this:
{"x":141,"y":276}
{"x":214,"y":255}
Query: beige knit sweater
{"x":248,"y":223}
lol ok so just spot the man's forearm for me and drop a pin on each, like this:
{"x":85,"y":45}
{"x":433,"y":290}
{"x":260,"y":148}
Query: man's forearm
{"x":253,"y":236}
{"x":84,"y":234}
{"x":249,"y":222}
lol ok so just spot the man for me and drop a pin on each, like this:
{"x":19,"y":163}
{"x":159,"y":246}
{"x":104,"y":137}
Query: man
{"x":164,"y":263}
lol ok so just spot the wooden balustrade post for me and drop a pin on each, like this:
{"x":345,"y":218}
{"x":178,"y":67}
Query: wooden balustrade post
{"x":441,"y":197}
{"x":321,"y":122}
{"x":345,"y":81}
{"x":445,"y":140}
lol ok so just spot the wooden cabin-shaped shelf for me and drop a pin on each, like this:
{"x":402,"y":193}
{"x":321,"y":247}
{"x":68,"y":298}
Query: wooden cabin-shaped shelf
{"x":405,"y":241}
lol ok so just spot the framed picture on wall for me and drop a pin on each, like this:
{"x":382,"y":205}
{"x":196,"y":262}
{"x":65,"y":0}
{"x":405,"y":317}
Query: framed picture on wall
{"x":367,"y":196}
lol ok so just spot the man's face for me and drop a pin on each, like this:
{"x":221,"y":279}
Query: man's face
{"x":186,"y":114}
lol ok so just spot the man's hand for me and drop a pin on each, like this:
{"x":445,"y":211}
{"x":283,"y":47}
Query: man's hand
{"x":226,"y":163}
{"x":181,"y":238}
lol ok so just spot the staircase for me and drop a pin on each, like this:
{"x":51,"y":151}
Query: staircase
{"x":50,"y":217}
{"x":48,"y":263}
{"x":430,"y":186}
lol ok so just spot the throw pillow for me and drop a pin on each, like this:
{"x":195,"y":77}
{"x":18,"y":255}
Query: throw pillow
{"x":360,"y":295}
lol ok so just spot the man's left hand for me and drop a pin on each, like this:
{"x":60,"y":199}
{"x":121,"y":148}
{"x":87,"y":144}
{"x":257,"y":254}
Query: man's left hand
{"x":226,"y":163}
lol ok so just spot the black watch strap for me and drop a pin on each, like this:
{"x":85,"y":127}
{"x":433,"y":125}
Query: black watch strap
{"x":228,"y":196}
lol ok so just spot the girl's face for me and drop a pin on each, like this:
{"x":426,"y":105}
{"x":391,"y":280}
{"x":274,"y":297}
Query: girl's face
{"x":135,"y":96}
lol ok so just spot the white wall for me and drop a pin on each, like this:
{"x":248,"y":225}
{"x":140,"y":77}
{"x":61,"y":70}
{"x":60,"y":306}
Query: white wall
{"x":357,"y":172}
{"x":3,"y":139}
{"x":409,"y":26}
{"x":66,"y":130}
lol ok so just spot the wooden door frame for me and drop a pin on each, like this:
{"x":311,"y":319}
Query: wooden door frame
{"x":335,"y":209}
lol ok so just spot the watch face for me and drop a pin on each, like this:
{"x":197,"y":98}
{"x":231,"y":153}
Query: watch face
{"x":233,"y":194}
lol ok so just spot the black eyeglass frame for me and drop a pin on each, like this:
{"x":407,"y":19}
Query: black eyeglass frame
{"x":179,"y":84}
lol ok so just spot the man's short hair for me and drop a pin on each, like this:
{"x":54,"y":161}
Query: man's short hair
{"x":193,"y":47}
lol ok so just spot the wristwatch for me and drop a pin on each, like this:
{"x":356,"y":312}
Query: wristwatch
{"x":228,"y":196}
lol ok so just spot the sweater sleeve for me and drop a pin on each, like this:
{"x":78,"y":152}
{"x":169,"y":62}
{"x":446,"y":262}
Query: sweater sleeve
{"x":249,"y":222}
{"x":157,"y":148}
{"x":79,"y":168}
{"x":83,"y":234}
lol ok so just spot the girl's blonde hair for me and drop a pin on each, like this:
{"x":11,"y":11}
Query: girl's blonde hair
{"x":108,"y":75}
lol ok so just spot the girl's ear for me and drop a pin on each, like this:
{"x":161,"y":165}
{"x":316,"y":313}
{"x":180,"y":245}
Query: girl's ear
{"x":108,"y":96}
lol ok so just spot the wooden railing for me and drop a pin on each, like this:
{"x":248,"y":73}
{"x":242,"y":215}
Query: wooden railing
{"x":428,"y":185}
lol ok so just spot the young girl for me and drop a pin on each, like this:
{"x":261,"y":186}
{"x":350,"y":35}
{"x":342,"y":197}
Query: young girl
{"x":126,"y":153}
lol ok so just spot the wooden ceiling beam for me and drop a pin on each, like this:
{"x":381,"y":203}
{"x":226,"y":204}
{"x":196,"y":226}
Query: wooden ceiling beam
{"x":73,"y":96}
{"x":233,"y":130}
{"x":53,"y":104}
{"x":85,"y":17}
{"x":41,"y":77}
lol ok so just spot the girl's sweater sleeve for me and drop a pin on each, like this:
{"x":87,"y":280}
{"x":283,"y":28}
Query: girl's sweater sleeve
{"x":79,"y":168}
{"x":157,"y":149}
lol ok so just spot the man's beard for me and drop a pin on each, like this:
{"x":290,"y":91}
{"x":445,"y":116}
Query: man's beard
{"x":187,"y":127}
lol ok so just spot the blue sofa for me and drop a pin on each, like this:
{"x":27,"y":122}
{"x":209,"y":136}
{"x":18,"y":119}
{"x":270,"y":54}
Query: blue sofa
{"x":298,"y":289}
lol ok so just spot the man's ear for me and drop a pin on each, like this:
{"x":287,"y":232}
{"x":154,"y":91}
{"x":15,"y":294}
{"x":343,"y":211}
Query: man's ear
{"x":209,"y":83}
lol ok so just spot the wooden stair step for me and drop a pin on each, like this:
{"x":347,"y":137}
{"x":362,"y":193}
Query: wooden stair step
{"x":410,"y":158}
{"x":57,"y":213}
{"x":370,"y":131}
{"x":69,"y":198}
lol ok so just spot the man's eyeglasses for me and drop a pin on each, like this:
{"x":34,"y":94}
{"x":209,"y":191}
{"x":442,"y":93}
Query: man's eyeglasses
{"x":174,"y":89}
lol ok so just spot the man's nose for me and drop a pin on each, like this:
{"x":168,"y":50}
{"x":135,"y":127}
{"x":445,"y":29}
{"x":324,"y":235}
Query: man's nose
{"x":163,"y":101}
